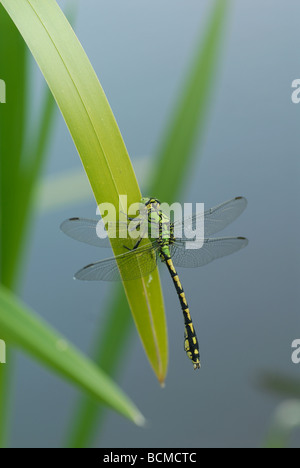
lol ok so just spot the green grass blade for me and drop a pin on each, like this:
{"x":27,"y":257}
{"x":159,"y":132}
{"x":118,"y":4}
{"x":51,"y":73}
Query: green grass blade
{"x":15,"y":176}
{"x":33,"y":160}
{"x":175,"y":154}
{"x":119,"y":326}
{"x":287,"y":387}
{"x":202,"y":76}
{"x":21,"y":327}
{"x":87,"y":113}
{"x":12,"y":128}
{"x":37,"y":148}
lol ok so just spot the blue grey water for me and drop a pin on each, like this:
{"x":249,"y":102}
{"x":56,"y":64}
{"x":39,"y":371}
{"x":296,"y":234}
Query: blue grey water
{"x":246,"y":306}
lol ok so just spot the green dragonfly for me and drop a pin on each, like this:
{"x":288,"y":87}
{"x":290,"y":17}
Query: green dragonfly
{"x":140,"y":259}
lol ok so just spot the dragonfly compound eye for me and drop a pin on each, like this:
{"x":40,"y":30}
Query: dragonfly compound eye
{"x":146,"y":201}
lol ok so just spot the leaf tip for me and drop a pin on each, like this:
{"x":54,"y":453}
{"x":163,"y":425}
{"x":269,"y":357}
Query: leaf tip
{"x":162,"y":383}
{"x":140,"y":420}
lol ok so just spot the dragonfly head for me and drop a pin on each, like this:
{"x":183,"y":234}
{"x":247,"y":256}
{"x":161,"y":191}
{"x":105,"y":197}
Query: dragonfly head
{"x":150,"y":201}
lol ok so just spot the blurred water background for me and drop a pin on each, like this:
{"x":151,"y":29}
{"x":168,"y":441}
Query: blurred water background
{"x":246,"y":306}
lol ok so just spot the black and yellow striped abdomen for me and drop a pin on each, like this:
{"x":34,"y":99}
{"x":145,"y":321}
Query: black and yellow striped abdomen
{"x":190,"y":339}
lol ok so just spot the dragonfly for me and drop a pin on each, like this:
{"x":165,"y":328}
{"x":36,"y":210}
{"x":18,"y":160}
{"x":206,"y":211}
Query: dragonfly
{"x":140,"y":259}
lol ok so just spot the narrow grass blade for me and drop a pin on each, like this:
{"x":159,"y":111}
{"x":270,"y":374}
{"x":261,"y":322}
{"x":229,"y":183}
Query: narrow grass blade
{"x":12,"y":128}
{"x":281,"y":385}
{"x":33,"y":160}
{"x":31,"y":163}
{"x":21,"y":327}
{"x":12,"y":125}
{"x":197,"y":88}
{"x":87,"y":417}
{"x":34,"y":157}
{"x":83,"y":104}
{"x":190,"y":116}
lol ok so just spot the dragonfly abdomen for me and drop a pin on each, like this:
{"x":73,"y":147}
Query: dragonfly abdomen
{"x":191,"y":345}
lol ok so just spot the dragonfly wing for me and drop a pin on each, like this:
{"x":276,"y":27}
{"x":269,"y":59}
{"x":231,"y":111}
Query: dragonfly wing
{"x":91,"y":231}
{"x":211,"y":250}
{"x":215,"y":219}
{"x":84,"y":230}
{"x":133,"y":265}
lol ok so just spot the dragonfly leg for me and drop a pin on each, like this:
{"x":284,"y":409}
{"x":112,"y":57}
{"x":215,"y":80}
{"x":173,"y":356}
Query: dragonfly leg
{"x":135,"y":228}
{"x":130,"y":218}
{"x":135,"y":246}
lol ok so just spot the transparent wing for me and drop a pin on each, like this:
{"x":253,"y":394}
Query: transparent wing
{"x":215,"y":219}
{"x":88,"y":230}
{"x":134,"y":264}
{"x":84,"y":230}
{"x":211,"y":250}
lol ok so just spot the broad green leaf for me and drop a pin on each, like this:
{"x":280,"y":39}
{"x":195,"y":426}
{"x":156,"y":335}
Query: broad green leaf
{"x":87,"y":113}
{"x":187,"y":125}
{"x":22,"y":327}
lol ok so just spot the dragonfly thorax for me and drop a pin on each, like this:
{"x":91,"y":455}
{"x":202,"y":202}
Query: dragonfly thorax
{"x":159,"y":226}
